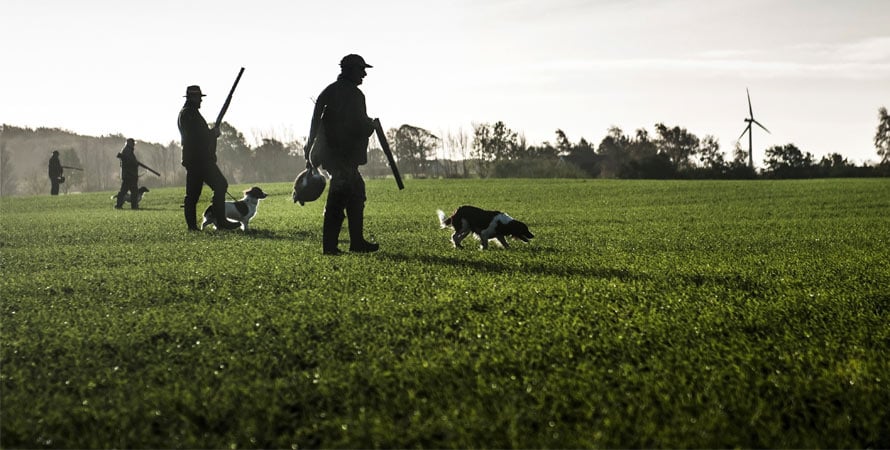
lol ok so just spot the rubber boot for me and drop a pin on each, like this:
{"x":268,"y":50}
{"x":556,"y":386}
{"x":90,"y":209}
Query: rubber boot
{"x":219,"y":213}
{"x":190,"y":210}
{"x":357,"y":242}
{"x":330,"y":232}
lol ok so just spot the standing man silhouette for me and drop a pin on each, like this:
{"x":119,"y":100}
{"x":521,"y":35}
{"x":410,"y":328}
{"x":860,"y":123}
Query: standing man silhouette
{"x":129,"y":175}
{"x":347,"y":127}
{"x":55,"y":173}
{"x":199,"y":160}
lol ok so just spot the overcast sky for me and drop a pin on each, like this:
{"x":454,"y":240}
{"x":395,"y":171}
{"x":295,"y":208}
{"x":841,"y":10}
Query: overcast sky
{"x":817,"y":70}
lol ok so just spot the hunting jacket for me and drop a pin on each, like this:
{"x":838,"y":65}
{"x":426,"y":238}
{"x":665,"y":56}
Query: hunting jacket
{"x":341,"y":106}
{"x":198,"y":145}
{"x":129,"y":163}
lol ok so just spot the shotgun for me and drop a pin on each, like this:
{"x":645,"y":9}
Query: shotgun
{"x":73,"y":168}
{"x":384,"y":144}
{"x":149,"y":169}
{"x":225,"y":107}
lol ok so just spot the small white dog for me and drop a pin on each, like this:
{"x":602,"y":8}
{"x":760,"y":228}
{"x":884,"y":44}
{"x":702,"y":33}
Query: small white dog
{"x":241,"y":211}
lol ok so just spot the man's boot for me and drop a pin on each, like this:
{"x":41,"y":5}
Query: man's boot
{"x":219,"y":213}
{"x":330,"y":232}
{"x":357,"y":243}
{"x":190,"y":210}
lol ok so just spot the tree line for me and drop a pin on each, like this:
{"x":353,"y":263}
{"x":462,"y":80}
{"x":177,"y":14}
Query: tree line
{"x":491,"y":150}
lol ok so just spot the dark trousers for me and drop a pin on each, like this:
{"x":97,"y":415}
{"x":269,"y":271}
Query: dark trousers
{"x":346,"y":199}
{"x":195,"y":178}
{"x":54,"y":181}
{"x":129,"y":183}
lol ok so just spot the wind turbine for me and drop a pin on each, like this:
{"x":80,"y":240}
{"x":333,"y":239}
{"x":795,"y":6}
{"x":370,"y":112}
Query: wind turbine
{"x":750,"y":120}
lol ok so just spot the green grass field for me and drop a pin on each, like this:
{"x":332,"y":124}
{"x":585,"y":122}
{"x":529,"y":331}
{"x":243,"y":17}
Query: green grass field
{"x":644,"y":314}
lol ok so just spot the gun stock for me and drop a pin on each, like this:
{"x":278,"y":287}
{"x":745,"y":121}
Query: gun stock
{"x":225,"y":107}
{"x":384,"y":144}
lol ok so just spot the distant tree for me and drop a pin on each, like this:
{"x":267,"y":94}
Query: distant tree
{"x":646,"y":161}
{"x":7,"y":172}
{"x":581,"y":155}
{"x":274,"y":162}
{"x":35,"y":183}
{"x":414,"y":148}
{"x":378,"y":165}
{"x":457,"y":146}
{"x":614,"y":151}
{"x":739,"y":168}
{"x":234,"y":156}
{"x":882,"y":136}
{"x":641,"y":146}
{"x":788,"y":161}
{"x":166,"y":159}
{"x":494,"y":142}
{"x":835,"y":165}
{"x":677,"y":143}
{"x":73,"y":178}
{"x":710,"y":155}
{"x":739,"y":155}
{"x":563,"y":145}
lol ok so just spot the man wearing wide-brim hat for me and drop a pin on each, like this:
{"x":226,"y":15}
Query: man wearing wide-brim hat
{"x":199,"y":160}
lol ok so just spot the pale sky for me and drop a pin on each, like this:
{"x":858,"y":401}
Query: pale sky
{"x":818,"y":70}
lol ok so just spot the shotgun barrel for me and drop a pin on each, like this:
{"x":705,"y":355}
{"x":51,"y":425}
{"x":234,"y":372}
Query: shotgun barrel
{"x":384,"y":144}
{"x":149,"y":169}
{"x":225,"y":107}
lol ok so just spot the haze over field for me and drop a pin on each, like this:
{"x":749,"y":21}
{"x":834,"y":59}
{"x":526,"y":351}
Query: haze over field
{"x":817,"y":70}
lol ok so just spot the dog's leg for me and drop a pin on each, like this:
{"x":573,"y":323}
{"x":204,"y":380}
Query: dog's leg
{"x":484,"y":236}
{"x":456,"y":238}
{"x":503,"y":241}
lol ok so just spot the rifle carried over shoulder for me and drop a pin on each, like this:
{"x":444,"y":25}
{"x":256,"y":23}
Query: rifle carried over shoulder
{"x":384,"y":144}
{"x":72,"y":168}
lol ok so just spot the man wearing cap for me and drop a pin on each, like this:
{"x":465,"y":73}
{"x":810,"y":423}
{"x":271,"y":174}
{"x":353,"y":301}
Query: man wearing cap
{"x":55,"y":173}
{"x":129,"y":175}
{"x":199,"y":160}
{"x":347,"y":127}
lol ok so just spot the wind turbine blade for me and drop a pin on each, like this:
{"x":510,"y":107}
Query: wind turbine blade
{"x":750,"y":109}
{"x":747,"y":130}
{"x":759,"y":125}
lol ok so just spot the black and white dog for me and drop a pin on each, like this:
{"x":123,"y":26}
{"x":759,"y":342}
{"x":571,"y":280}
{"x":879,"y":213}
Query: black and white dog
{"x":241,"y":211}
{"x":485,"y":224}
{"x":142,"y":190}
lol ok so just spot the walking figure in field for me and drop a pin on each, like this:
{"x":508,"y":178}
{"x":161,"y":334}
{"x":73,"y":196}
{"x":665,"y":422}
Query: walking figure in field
{"x":55,"y":173}
{"x":199,"y":160}
{"x":129,"y":176}
{"x":341,"y":115}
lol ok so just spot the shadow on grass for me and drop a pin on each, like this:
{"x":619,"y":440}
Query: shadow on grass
{"x":513,"y":267}
{"x":728,"y":281}
{"x":274,"y":235}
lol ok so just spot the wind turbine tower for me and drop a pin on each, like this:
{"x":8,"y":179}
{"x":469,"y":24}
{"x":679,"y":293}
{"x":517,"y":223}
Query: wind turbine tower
{"x":750,"y":120}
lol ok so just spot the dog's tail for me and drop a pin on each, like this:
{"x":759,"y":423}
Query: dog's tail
{"x":443,"y":221}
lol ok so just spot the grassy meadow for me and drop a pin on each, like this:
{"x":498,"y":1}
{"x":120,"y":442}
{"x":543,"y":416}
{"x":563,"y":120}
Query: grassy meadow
{"x":643,"y":314}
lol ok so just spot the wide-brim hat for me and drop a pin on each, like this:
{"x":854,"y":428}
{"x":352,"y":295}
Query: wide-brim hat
{"x":353,"y":60}
{"x":193,"y":90}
